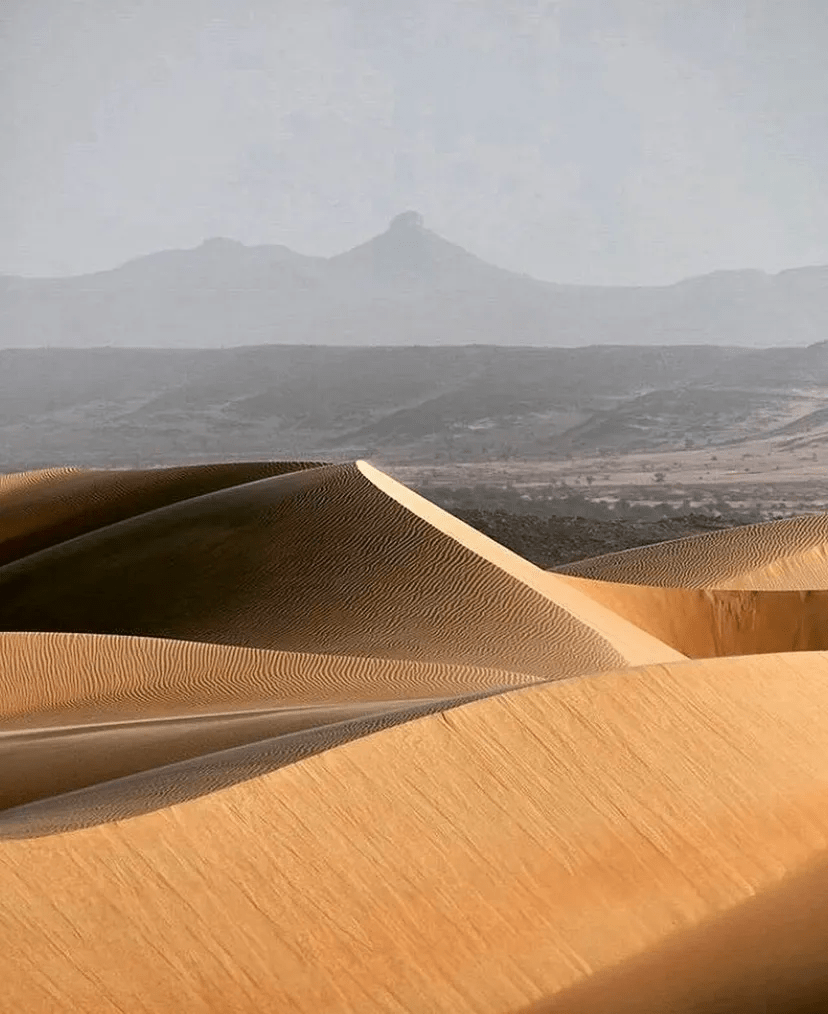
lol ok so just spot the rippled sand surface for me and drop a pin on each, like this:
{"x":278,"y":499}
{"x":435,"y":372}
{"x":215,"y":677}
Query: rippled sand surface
{"x":286,"y":736}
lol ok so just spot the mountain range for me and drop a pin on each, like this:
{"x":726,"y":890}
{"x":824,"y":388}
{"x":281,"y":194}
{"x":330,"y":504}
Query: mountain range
{"x":407,"y":286}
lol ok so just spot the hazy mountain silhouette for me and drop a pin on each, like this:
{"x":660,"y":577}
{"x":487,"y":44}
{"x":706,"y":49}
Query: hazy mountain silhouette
{"x":406,"y":286}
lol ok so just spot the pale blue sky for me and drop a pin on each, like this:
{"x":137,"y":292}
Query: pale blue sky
{"x":600,"y":141}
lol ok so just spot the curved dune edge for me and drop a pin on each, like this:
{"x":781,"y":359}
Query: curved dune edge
{"x":59,"y":777}
{"x":319,"y":561}
{"x":480,"y":860}
{"x":191,"y":777}
{"x":635,"y":645}
{"x":43,"y":509}
{"x":80,"y":709}
{"x":786,"y":555}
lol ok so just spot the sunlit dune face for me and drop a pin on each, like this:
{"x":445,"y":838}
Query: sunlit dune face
{"x":281,"y":736}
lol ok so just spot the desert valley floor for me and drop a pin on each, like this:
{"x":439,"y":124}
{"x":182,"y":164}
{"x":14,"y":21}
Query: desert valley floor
{"x":289,"y":737}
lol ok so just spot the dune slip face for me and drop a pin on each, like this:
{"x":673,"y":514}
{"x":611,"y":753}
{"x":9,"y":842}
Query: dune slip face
{"x":287,"y":736}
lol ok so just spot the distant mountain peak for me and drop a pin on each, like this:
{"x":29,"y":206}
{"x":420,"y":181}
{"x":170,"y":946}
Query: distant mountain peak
{"x":406,"y":220}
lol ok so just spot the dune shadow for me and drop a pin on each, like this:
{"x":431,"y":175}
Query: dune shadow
{"x":769,"y":955}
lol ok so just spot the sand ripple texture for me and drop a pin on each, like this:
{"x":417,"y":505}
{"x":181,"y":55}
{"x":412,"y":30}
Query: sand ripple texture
{"x":287,"y":737}
{"x":786,"y":555}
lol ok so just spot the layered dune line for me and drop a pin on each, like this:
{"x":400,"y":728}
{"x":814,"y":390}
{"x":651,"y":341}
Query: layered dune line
{"x":79,"y":709}
{"x":41,"y":509}
{"x":480,"y":860}
{"x":786,"y":555}
{"x":69,"y":679}
{"x":149,"y":762}
{"x":283,"y":736}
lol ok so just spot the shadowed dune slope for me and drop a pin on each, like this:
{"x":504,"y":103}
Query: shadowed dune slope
{"x":707,"y":623}
{"x":787,"y":555}
{"x":478,"y":860}
{"x":765,"y":956}
{"x":322,"y":560}
{"x":41,"y":509}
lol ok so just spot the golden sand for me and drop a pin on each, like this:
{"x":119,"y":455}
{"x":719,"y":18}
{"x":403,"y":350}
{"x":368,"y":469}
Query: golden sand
{"x":278,"y":738}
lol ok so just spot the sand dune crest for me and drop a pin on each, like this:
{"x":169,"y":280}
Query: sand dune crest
{"x":316,"y":561}
{"x":786,"y":555}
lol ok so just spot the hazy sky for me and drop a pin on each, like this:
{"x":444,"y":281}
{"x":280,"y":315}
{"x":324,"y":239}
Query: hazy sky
{"x":622,"y":141}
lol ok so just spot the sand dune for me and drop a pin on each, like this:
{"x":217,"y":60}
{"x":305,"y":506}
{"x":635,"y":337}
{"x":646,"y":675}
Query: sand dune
{"x":42,"y":509}
{"x":787,"y":555}
{"x":323,"y":561}
{"x":477,"y":860}
{"x":706,"y":623}
{"x":289,"y":737}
